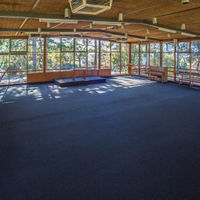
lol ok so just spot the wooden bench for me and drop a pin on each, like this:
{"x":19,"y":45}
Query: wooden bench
{"x":158,"y":74}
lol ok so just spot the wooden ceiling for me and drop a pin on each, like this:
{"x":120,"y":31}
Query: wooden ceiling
{"x":170,"y":13}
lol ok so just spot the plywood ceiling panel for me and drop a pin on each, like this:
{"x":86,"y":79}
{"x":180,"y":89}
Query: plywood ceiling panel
{"x":169,"y":12}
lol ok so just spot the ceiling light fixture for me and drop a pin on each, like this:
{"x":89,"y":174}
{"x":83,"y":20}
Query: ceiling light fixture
{"x":188,"y":34}
{"x":106,"y":23}
{"x":120,"y":17}
{"x":167,"y":30}
{"x":185,"y":1}
{"x":90,"y":7}
{"x":182,"y":26}
{"x":155,"y":20}
{"x":64,"y":21}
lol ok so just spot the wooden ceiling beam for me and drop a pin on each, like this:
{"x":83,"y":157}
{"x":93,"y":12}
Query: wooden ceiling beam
{"x":77,"y":31}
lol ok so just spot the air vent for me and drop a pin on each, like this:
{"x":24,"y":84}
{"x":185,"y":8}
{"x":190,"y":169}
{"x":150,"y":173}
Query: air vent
{"x":90,"y":7}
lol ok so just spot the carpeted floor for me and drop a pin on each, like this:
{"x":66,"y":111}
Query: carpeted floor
{"x":127,"y":139}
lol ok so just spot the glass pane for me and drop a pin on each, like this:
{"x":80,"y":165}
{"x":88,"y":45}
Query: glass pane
{"x":4,"y":63}
{"x":183,"y":47}
{"x":18,"y":77}
{"x":18,"y":45}
{"x":18,"y":63}
{"x":53,"y":61}
{"x":135,"y":58}
{"x":155,"y":47}
{"x":196,"y":62}
{"x":4,"y":78}
{"x":168,"y":47}
{"x":115,"y":46}
{"x":67,"y":61}
{"x":67,"y":44}
{"x":135,"y":48}
{"x":105,"y":46}
{"x":105,"y":60}
{"x":80,"y":60}
{"x":124,"y":54}
{"x":195,"y":46}
{"x":53,"y":44}
{"x":4,"y":45}
{"x":36,"y":45}
{"x":143,"y":48}
{"x":168,"y":59}
{"x":93,"y":45}
{"x":35,"y":62}
{"x":115,"y":63}
{"x":80,"y":44}
{"x":155,"y":59}
{"x":143,"y":59}
{"x":183,"y":62}
{"x":125,"y":58}
{"x":93,"y":60}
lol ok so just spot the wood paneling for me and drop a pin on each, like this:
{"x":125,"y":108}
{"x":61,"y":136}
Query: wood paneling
{"x":50,"y":76}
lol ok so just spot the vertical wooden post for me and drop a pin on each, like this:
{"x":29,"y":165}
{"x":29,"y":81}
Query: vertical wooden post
{"x":60,"y":51}
{"x":26,"y":59}
{"x":120,"y":67}
{"x":161,"y":63}
{"x":149,"y":53}
{"x":139,"y":59}
{"x":174,"y":62}
{"x":99,"y":58}
{"x":110,"y":56}
{"x":190,"y":49}
{"x":45,"y":55}
{"x":9,"y":62}
{"x":74,"y":70}
{"x":86,"y":70}
{"x":129,"y":61}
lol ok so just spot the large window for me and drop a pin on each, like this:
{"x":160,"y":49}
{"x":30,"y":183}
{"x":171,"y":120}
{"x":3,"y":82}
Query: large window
{"x":155,"y":54}
{"x":53,"y":54}
{"x":124,"y":58}
{"x":183,"y":57}
{"x":105,"y":55}
{"x":4,"y":61}
{"x":67,"y":54}
{"x":195,"y":61}
{"x":115,"y":58}
{"x":135,"y":57}
{"x":168,"y":58}
{"x":93,"y":54}
{"x":18,"y":61}
{"x":183,"y":61}
{"x":35,"y":55}
{"x":143,"y":59}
